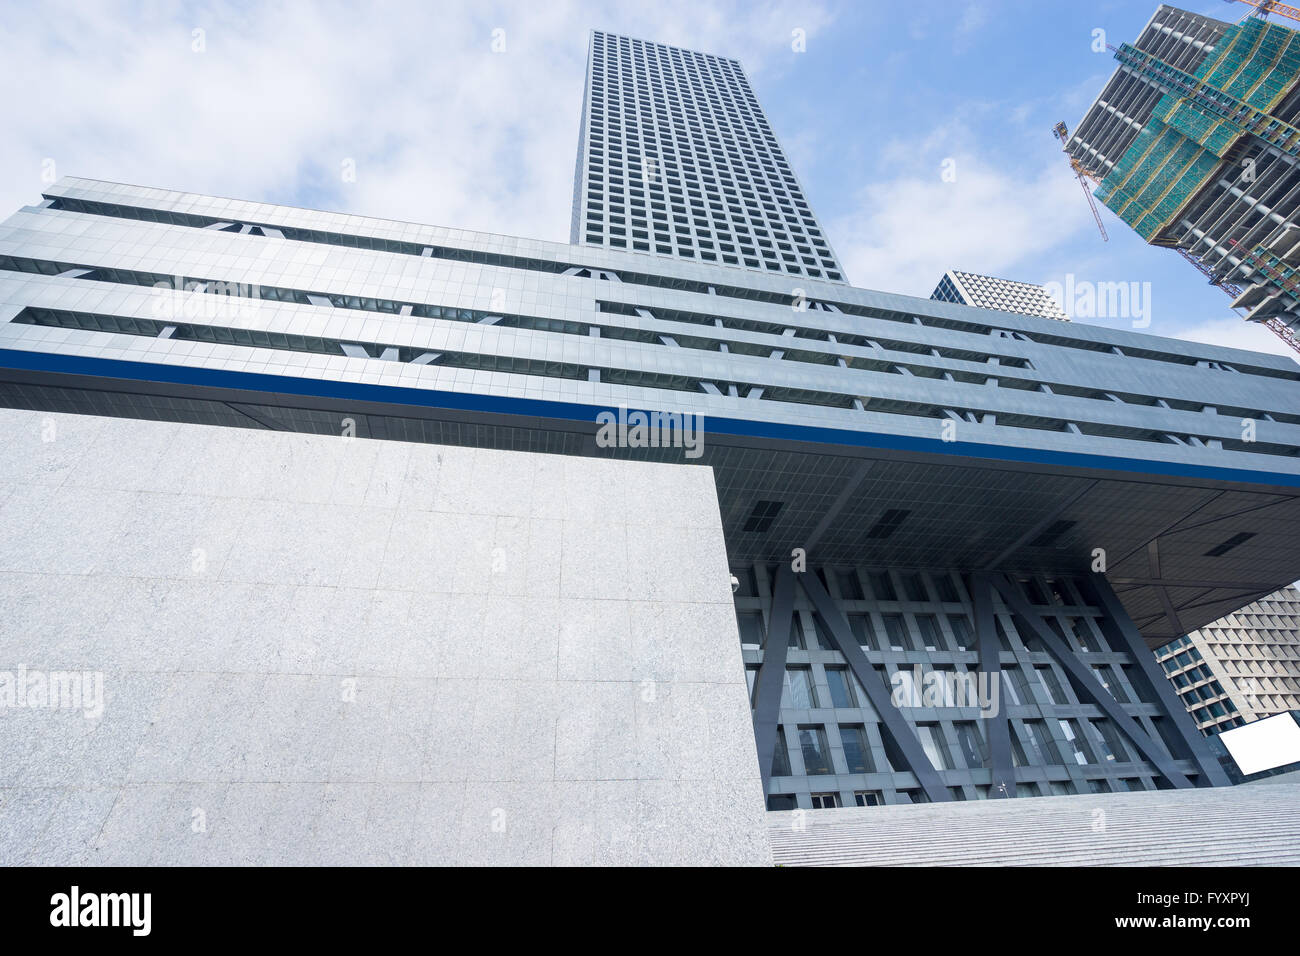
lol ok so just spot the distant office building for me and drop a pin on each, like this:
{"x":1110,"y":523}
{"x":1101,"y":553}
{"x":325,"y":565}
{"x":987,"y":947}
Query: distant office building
{"x":1244,"y":666}
{"x":676,"y":157}
{"x":1004,"y":295}
{"x":1195,"y":143}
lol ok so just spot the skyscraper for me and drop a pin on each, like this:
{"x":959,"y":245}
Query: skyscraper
{"x":1004,"y":295}
{"x":1194,"y":142}
{"x":675,"y":157}
{"x":1242,"y":667}
{"x":956,"y":533}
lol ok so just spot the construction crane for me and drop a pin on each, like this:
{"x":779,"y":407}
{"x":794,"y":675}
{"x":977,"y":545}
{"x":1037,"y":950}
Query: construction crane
{"x":1264,"y":7}
{"x":1083,"y":176}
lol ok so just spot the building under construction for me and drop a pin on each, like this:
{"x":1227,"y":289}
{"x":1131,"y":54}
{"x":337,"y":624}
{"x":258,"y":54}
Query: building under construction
{"x":1195,"y":143}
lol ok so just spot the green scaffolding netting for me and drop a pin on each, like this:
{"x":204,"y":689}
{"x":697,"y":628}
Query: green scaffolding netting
{"x":1181,"y":146}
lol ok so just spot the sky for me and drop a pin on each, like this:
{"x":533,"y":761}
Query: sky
{"x":921,"y":131}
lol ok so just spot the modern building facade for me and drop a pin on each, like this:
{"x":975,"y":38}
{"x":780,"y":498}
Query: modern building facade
{"x":676,"y":157}
{"x":915,"y":496}
{"x":1001,"y":295}
{"x":1242,"y":667}
{"x":1195,"y":144}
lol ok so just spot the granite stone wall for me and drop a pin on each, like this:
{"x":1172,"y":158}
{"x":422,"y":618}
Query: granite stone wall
{"x":311,"y":649}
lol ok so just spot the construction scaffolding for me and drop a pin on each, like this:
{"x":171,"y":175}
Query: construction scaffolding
{"x":1199,"y":119}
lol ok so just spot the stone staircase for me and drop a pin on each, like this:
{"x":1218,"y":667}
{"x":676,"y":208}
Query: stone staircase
{"x":1255,"y":824}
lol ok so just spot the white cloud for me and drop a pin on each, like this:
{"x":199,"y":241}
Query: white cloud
{"x":442,"y":129}
{"x":972,"y":18}
{"x":1238,"y":334}
{"x":903,"y":234}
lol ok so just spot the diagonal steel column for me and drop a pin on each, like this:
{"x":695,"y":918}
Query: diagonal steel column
{"x":770,"y":682}
{"x":892,"y":723}
{"x":1087,"y":682}
{"x":1120,"y":627}
{"x":997,"y":728}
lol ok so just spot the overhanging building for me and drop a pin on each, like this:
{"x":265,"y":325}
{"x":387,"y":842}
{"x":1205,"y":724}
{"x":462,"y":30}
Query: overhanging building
{"x":973,"y":491}
{"x":1195,"y":143}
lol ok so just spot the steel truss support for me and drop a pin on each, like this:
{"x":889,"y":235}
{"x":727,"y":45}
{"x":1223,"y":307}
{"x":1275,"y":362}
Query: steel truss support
{"x":1086,"y":682}
{"x":770,"y":682}
{"x":997,"y":726}
{"x":892,"y":723}
{"x":1121,"y":631}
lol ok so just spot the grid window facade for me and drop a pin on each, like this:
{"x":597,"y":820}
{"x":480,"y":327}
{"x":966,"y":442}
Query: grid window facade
{"x":1004,"y":295}
{"x":677,"y":158}
{"x":832,"y":743}
{"x":1241,"y":668}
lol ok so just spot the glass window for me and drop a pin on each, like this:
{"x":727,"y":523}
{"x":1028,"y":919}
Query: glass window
{"x":935,"y":747}
{"x":931,"y":636}
{"x":868,"y":798}
{"x":882,"y":586}
{"x":850,"y":588}
{"x":781,"y":801}
{"x":914,"y":587}
{"x":1088,"y":637}
{"x":780,"y":755}
{"x":896,"y":632}
{"x":1075,"y":743}
{"x":751,"y":630}
{"x":971,"y":743}
{"x":816,"y":752}
{"x":1041,"y":741}
{"x":825,"y":801}
{"x":824,"y":639}
{"x":1116,"y":684}
{"x":962,"y":631}
{"x":947,"y":590}
{"x":856,"y":752}
{"x":1018,"y":758}
{"x":864,"y":632}
{"x":1012,"y":684}
{"x":1107,"y":739}
{"x":796,"y":634}
{"x":1055,"y":693}
{"x":842,"y":695}
{"x":1004,"y":640}
{"x":799,"y":690}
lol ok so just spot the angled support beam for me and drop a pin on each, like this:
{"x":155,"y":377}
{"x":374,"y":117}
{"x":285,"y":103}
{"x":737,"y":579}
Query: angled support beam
{"x":1122,"y":632}
{"x":997,"y":727}
{"x":770,"y":682}
{"x":1086,"y":681}
{"x":851,"y":485}
{"x":892,"y":723}
{"x":1041,"y":525}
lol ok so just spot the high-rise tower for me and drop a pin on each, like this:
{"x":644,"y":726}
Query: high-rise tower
{"x":675,"y":157}
{"x":1195,"y":143}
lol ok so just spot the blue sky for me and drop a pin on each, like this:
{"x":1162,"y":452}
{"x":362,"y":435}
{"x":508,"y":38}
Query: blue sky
{"x":268,"y":101}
